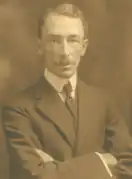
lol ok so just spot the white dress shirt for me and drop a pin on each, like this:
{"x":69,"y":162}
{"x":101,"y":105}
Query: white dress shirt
{"x":58,"y":83}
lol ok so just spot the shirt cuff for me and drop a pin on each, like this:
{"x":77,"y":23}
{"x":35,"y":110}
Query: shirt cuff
{"x":45,"y":157}
{"x":105,"y":163}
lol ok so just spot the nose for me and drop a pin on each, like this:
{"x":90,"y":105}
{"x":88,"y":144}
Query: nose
{"x":65,"y":48}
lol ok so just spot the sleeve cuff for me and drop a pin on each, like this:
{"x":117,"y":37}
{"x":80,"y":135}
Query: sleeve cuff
{"x":45,"y":157}
{"x":105,"y":164}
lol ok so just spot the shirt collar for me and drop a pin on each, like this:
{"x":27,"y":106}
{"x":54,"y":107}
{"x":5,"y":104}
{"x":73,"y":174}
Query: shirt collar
{"x":58,"y":82}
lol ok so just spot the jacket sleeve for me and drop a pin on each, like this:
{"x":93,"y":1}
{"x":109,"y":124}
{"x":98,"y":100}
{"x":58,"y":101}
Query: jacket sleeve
{"x":29,"y":164}
{"x":118,"y":141}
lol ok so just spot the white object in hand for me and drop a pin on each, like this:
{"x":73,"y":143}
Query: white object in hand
{"x":46,"y":157}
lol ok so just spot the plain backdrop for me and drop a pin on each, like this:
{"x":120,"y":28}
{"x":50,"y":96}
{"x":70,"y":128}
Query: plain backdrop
{"x":108,"y":61}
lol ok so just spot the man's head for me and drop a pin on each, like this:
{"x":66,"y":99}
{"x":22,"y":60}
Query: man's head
{"x":63,"y":39}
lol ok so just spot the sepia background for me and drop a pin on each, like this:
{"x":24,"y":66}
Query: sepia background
{"x":108,"y":62}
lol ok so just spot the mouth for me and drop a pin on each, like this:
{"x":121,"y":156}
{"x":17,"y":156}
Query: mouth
{"x":66,"y":67}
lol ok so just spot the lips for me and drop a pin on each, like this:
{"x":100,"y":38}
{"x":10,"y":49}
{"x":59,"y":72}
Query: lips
{"x":66,"y":67}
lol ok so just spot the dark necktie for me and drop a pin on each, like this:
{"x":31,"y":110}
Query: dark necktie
{"x":67,"y":89}
{"x":70,"y":102}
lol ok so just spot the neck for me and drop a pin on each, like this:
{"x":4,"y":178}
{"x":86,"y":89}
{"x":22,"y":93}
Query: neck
{"x":58,"y":82}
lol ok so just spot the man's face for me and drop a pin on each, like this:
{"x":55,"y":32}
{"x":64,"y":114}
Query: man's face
{"x":63,"y":44}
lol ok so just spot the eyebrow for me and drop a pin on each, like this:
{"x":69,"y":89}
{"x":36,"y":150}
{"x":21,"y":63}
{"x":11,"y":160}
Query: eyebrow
{"x":59,"y":36}
{"x":74,"y":36}
{"x":53,"y":36}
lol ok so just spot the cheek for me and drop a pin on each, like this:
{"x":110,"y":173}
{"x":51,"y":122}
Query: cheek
{"x":80,"y":50}
{"x":76,"y":55}
{"x":50,"y":59}
{"x":77,"y":50}
{"x":51,"y":53}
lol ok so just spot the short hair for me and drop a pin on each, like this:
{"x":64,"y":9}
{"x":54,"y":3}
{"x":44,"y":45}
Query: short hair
{"x":69,"y":10}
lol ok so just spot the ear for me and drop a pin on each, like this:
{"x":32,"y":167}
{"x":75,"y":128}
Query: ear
{"x":84,"y":47}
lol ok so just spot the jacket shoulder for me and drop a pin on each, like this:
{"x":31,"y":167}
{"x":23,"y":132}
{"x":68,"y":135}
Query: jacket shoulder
{"x":95,"y":91}
{"x":25,"y":97}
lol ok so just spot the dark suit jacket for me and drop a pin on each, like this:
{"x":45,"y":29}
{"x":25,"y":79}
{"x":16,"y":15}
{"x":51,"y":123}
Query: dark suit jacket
{"x":39,"y":119}
{"x":4,"y":158}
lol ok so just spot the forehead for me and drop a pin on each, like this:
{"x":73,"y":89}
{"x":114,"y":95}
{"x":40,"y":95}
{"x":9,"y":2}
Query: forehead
{"x":58,"y":24}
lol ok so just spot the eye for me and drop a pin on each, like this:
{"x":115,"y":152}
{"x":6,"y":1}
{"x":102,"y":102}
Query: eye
{"x":73,"y":40}
{"x":53,"y":40}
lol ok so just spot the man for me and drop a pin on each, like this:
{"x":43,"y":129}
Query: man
{"x":60,"y":128}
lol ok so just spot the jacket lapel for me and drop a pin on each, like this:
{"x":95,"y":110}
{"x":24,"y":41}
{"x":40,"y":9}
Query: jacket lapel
{"x":50,"y":107}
